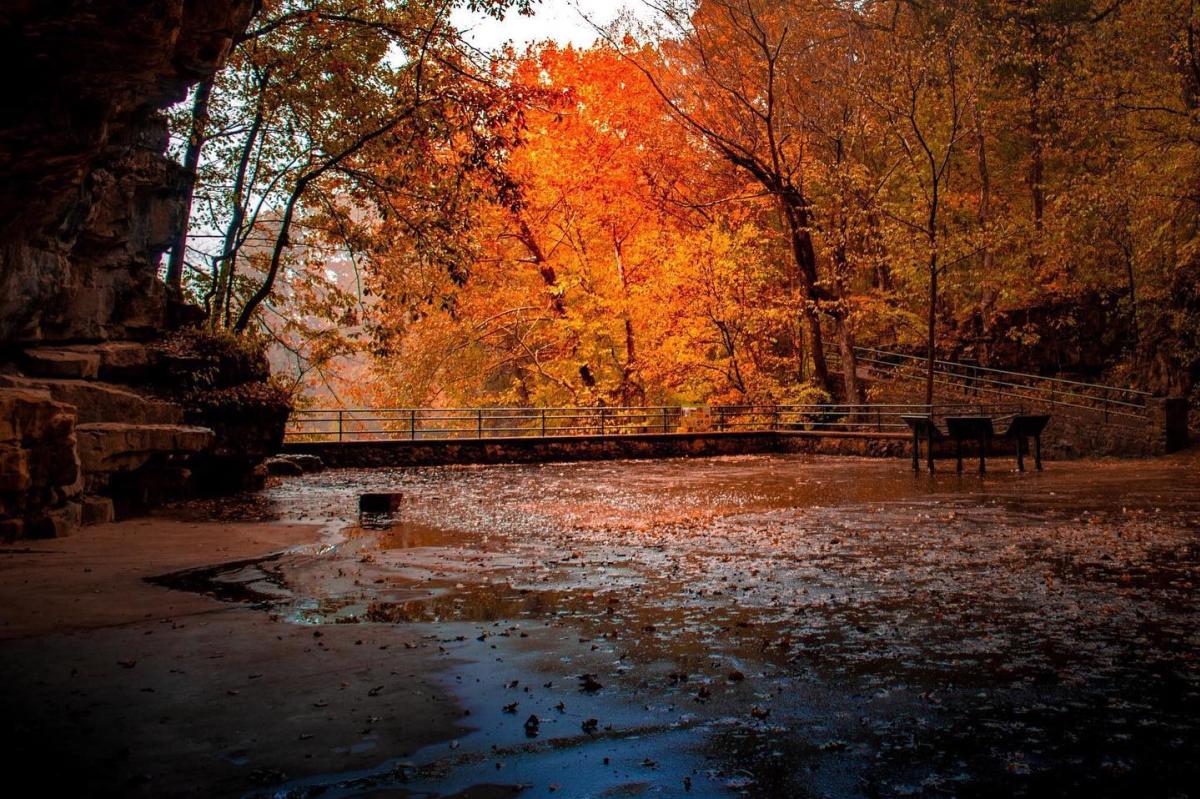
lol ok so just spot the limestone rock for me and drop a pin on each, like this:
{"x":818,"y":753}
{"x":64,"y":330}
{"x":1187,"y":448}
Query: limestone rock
{"x":101,"y":402}
{"x":126,"y":361}
{"x":44,"y":362}
{"x":282,"y":467}
{"x":89,"y":202}
{"x":85,"y":195}
{"x":14,"y":469}
{"x":96,"y":510}
{"x":306,"y":462}
{"x":39,"y":467}
{"x":56,"y":523}
{"x":118,"y":447}
{"x":28,"y":415}
{"x":123,"y":360}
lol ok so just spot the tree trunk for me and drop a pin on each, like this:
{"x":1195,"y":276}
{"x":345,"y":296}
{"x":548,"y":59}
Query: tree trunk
{"x":986,"y":258}
{"x":218,"y":299}
{"x":931,"y":342}
{"x":630,"y":390}
{"x":545,"y":269}
{"x":854,"y":391}
{"x":282,"y":242}
{"x":283,"y":237}
{"x":806,"y":267}
{"x":1133,"y":309}
{"x":1037,"y":155}
{"x":191,"y":163}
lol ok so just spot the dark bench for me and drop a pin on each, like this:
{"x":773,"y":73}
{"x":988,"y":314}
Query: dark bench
{"x":922,"y":426}
{"x":977,"y":428}
{"x":1023,"y":428}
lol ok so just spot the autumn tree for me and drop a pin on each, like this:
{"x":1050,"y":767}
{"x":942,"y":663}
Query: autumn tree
{"x":686,"y":213}
{"x":924,"y":88}
{"x":334,"y":122}
{"x":738,"y":73}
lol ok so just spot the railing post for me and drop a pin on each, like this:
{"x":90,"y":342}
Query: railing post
{"x":602,"y":412}
{"x":666,"y":416}
{"x":339,"y":425}
{"x":412,"y":425}
{"x":543,"y":422}
{"x":479,"y":423}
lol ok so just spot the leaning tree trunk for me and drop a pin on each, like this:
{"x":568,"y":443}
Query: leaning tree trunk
{"x":806,"y":266}
{"x":191,"y":164}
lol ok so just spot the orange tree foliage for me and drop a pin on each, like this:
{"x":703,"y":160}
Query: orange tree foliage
{"x":698,"y":212}
{"x":636,"y":268}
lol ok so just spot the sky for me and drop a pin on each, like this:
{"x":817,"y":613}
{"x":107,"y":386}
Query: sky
{"x":553,"y":19}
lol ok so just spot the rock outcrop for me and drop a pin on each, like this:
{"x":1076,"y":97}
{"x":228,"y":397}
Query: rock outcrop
{"x":87,"y":197}
{"x":40,"y":478}
{"x":99,"y":404}
{"x":194,"y":413}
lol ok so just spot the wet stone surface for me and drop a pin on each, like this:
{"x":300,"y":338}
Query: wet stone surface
{"x":766,"y":626}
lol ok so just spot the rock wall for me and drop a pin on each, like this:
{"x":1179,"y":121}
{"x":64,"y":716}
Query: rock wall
{"x":89,"y":203}
{"x":87,"y":197}
{"x":40,"y":479}
{"x":98,"y":278}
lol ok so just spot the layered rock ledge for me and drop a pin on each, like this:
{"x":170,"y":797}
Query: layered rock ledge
{"x":102,"y":407}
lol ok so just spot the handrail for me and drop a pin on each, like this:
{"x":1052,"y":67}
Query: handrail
{"x":428,"y":424}
{"x":1036,"y":396}
{"x":1029,"y":375}
{"x":414,"y":424}
{"x":1044,"y":391}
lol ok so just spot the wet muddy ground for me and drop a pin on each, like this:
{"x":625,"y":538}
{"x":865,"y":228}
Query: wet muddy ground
{"x":759,"y":626}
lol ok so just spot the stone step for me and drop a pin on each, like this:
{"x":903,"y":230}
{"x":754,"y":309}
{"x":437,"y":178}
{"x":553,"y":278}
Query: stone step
{"x":108,"y":360}
{"x":95,"y":401}
{"x":114,"y":360}
{"x":46,"y":362}
{"x":117,"y":447}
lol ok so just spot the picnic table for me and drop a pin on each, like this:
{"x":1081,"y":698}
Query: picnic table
{"x":922,"y":426}
{"x":980,"y":428}
{"x":1022,"y":428}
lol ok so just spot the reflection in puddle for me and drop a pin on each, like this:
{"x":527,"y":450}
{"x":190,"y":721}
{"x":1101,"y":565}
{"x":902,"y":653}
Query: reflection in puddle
{"x":408,"y":535}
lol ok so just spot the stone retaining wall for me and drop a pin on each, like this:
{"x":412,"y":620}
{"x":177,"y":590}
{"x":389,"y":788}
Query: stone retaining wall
{"x":365,"y":454}
{"x":1090,"y":433}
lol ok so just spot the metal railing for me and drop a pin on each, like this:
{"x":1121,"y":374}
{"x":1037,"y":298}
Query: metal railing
{"x":1112,"y":404}
{"x":447,"y":424}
